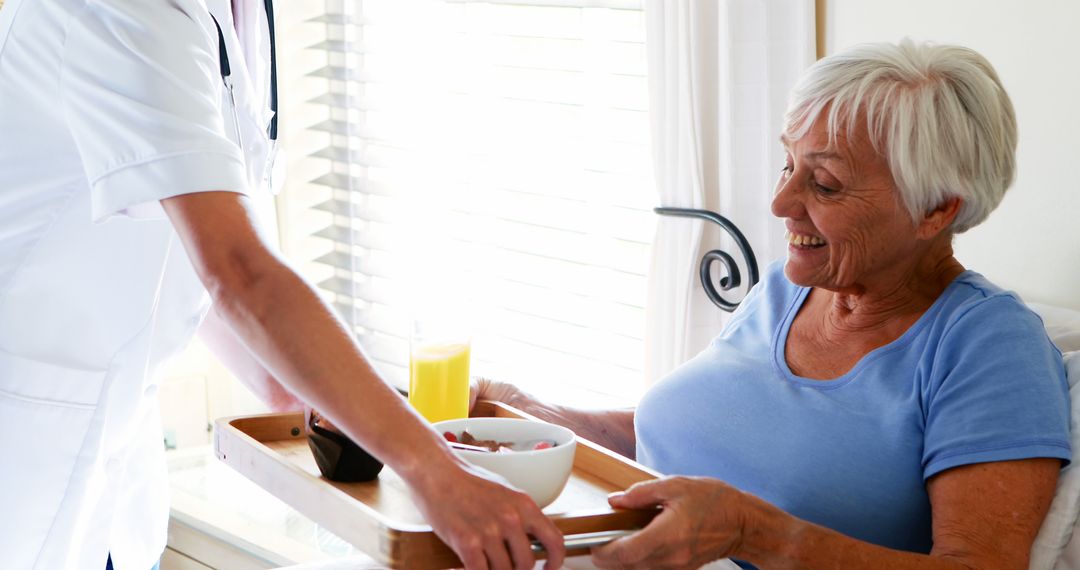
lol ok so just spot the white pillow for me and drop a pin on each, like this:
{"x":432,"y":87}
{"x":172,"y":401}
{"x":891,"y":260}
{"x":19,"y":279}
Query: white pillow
{"x":1062,"y":325}
{"x":1057,"y":545}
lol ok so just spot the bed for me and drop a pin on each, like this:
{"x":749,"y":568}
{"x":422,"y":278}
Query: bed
{"x":1058,"y":544}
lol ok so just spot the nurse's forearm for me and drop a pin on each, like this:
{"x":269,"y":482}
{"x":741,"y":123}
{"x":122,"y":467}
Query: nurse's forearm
{"x":221,"y":340}
{"x":290,"y":330}
{"x":283,"y":321}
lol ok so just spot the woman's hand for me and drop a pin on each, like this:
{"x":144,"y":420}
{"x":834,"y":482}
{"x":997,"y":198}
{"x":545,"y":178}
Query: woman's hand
{"x":613,"y":429}
{"x":486,"y":389}
{"x":485,"y":522}
{"x":702,"y":521}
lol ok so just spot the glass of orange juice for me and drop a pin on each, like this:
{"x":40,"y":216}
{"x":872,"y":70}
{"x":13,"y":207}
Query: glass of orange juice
{"x":439,"y":369}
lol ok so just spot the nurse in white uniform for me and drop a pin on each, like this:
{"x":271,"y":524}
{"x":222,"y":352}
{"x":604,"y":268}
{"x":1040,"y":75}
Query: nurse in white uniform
{"x":126,"y":176}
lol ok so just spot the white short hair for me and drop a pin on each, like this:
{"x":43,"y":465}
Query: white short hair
{"x":938,"y":113}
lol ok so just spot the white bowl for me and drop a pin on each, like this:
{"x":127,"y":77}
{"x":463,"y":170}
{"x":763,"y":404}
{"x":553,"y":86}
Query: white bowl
{"x":540,"y":473}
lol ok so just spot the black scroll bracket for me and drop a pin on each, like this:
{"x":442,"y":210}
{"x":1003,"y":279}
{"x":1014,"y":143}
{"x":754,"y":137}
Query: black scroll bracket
{"x":733,"y":278}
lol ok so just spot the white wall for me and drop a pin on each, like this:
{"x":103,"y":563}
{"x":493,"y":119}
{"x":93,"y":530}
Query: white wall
{"x":1031,"y":243}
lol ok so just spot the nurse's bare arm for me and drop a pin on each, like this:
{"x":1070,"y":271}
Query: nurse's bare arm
{"x":611,"y":428}
{"x":284,"y":323}
{"x":225,"y":345}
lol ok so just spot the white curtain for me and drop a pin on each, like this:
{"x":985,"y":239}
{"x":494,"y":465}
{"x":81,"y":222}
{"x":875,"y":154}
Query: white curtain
{"x":719,"y":77}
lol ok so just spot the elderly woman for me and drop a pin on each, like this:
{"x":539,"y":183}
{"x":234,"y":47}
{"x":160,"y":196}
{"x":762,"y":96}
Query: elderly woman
{"x":872,"y":404}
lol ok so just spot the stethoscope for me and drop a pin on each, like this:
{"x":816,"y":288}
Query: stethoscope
{"x":226,"y":76}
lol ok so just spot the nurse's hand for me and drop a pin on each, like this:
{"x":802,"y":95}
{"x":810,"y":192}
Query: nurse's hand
{"x":702,"y":520}
{"x":485,"y":522}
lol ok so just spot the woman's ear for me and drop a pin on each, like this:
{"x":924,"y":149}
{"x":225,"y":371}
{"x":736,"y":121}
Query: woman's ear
{"x":937,"y":220}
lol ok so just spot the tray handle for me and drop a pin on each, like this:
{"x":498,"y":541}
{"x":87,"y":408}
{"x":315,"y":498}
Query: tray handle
{"x":585,"y":540}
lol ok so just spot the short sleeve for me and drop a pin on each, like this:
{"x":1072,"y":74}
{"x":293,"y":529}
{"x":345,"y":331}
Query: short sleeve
{"x":772,"y":279}
{"x":997,"y":392}
{"x":142,"y":92}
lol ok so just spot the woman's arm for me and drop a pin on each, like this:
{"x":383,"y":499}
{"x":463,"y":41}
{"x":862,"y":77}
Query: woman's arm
{"x":985,"y":516}
{"x":613,"y":429}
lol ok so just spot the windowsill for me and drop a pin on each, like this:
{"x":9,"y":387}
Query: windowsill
{"x":221,"y":519}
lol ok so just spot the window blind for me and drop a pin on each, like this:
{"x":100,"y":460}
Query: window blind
{"x":489,"y":157}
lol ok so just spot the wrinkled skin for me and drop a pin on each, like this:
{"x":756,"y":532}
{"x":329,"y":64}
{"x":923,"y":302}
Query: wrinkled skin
{"x":702,"y":521}
{"x":845,"y":195}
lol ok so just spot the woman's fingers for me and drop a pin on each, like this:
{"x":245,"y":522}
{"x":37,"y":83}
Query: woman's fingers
{"x":634,"y":551}
{"x":481,"y":388}
{"x":701,"y":521}
{"x":627,"y":552}
{"x":475,"y":389}
{"x":644,"y":494}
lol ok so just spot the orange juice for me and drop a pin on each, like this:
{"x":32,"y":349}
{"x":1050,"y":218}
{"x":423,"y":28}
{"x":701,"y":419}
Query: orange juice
{"x":439,"y":380}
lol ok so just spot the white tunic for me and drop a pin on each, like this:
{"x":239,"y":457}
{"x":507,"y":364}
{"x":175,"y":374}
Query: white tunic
{"x":106,"y":107}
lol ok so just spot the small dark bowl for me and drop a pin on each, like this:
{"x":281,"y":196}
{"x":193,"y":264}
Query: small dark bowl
{"x":338,"y":458}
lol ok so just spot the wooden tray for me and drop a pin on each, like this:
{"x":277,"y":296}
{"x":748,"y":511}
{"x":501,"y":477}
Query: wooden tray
{"x":380,"y":518}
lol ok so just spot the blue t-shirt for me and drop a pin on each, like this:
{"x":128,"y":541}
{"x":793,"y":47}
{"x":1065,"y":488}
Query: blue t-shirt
{"x":975,"y":379}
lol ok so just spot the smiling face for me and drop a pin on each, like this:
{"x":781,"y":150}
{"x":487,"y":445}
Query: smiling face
{"x":847,"y":228}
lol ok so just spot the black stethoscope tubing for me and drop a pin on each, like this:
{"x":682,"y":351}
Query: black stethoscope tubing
{"x":226,"y":69}
{"x":273,"y":70}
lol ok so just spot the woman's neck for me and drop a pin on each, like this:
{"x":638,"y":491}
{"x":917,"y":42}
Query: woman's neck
{"x":896,"y":301}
